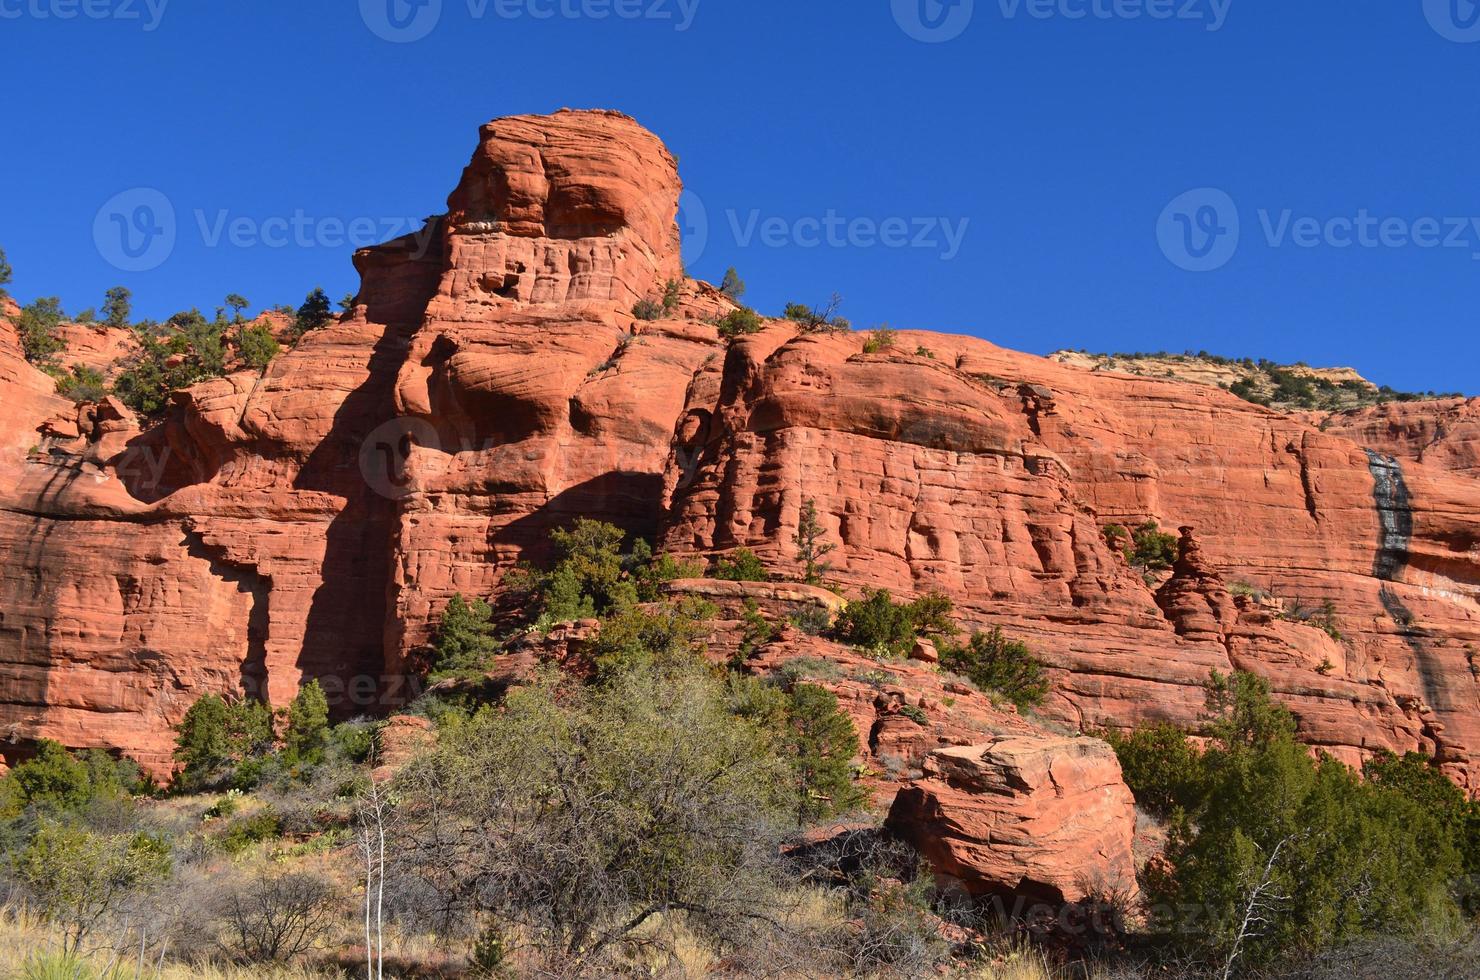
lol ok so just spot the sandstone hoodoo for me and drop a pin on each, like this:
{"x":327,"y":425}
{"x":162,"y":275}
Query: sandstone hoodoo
{"x":492,"y":383}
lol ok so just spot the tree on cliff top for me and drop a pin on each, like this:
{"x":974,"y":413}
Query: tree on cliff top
{"x":117,"y":306}
{"x":4,"y":274}
{"x":315,"y":312}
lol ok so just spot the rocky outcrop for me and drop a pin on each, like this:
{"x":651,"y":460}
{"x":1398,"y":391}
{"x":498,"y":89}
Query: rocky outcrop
{"x":1038,"y":816}
{"x":491,"y":384}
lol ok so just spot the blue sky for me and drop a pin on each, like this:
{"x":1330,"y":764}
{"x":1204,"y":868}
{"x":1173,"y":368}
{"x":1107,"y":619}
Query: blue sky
{"x":1039,"y":152}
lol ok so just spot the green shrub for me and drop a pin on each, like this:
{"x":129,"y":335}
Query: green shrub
{"x":240,"y":834}
{"x":1162,"y":767}
{"x":315,"y":313}
{"x":1147,"y":547}
{"x":819,"y":320}
{"x":465,"y":641}
{"x":647,"y":309}
{"x":577,"y":807}
{"x":258,"y":346}
{"x":994,"y":663}
{"x":732,"y":285}
{"x":5,"y":274}
{"x":915,"y":714}
{"x":886,"y":627}
{"x":186,"y":350}
{"x":742,"y":565}
{"x":740,"y":323}
{"x":76,"y":877}
{"x":821,"y":744}
{"x":81,"y":384}
{"x":117,"y":307}
{"x":221,"y":745}
{"x":756,"y":630}
{"x":38,"y":328}
{"x":879,"y":339}
{"x":593,"y":576}
{"x":634,"y":638}
{"x":812,"y":619}
{"x":1282,"y":853}
{"x":308,"y":725}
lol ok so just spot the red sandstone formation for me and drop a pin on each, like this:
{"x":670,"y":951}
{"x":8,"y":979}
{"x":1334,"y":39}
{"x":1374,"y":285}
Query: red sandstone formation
{"x":1029,"y":815}
{"x":492,"y":384}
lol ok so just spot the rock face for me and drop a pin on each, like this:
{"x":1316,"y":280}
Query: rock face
{"x":1049,"y":818}
{"x":492,"y":383}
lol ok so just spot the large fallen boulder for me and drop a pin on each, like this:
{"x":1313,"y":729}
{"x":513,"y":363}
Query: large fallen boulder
{"x":1044,"y":817}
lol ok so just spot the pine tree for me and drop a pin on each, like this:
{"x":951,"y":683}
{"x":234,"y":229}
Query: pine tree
{"x":117,"y":307}
{"x":308,"y":724}
{"x":810,"y":549}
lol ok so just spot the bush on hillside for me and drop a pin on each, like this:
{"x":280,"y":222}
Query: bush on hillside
{"x":741,"y":565}
{"x":878,"y":623}
{"x":997,"y":664}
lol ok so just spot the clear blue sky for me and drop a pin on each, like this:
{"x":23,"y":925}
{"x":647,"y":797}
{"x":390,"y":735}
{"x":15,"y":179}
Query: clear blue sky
{"x":1058,"y":140}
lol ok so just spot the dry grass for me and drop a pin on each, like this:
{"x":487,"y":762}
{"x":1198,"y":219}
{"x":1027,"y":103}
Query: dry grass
{"x":31,"y":950}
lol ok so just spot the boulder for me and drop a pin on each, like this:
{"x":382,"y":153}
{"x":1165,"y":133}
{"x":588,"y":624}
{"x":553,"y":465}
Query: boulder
{"x":1039,"y":816}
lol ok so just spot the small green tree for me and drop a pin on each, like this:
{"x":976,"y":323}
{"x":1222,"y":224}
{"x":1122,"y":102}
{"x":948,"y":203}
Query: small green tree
{"x":219,"y":744}
{"x":77,"y":878}
{"x":82,"y":384}
{"x":315,"y":312}
{"x":347,"y":304}
{"x":238,"y":303}
{"x":1162,"y":767}
{"x":812,"y":552}
{"x":732,"y":285}
{"x":258,"y":346}
{"x":994,"y":663}
{"x":38,"y":328}
{"x":879,"y":339}
{"x":465,"y":641}
{"x":820,"y":744}
{"x":308,"y":725}
{"x":5,"y":273}
{"x":117,"y":307}
{"x":739,"y":323}
{"x":742,"y":565}
{"x":51,"y":778}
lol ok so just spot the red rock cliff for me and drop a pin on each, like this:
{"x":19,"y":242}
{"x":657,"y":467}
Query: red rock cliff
{"x":491,"y":383}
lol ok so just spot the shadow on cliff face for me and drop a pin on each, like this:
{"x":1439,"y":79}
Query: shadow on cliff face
{"x":345,"y":633}
{"x":1395,"y":518}
{"x":631,"y":501}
